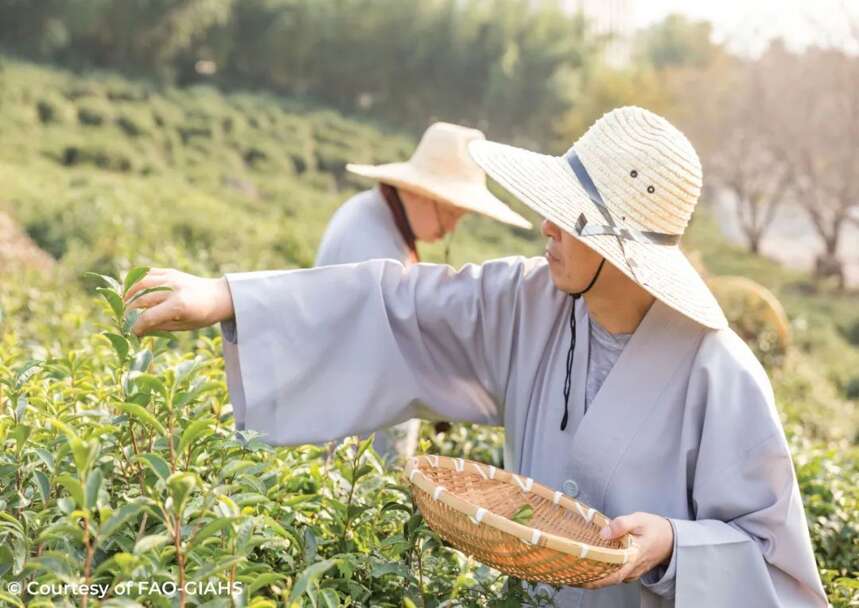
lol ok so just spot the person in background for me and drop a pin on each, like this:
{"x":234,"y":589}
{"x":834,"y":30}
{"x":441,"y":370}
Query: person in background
{"x":420,"y":200}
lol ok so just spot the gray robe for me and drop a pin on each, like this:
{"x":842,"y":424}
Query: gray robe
{"x":362,"y":229}
{"x":684,"y":426}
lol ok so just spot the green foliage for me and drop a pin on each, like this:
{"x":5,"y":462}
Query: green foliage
{"x":829,"y":482}
{"x":265,"y":173}
{"x":121,"y":463}
{"x":506,"y":64}
{"x":676,"y":41}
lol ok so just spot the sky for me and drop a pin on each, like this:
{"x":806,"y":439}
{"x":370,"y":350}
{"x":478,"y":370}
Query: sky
{"x":747,"y":25}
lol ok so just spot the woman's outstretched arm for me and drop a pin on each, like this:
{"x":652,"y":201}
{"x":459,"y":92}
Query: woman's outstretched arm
{"x":327,"y":352}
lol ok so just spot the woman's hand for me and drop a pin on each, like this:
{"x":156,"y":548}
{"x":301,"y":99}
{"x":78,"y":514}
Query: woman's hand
{"x":654,"y":537}
{"x":192,"y":302}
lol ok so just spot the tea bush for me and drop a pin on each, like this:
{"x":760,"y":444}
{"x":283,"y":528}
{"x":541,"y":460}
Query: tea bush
{"x":829,"y":482}
{"x":121,"y":463}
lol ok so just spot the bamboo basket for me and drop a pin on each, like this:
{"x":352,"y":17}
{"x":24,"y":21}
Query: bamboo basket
{"x":469,"y":504}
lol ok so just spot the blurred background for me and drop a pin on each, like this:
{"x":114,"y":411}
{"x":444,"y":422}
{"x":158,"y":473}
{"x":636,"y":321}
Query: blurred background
{"x":212,"y":135}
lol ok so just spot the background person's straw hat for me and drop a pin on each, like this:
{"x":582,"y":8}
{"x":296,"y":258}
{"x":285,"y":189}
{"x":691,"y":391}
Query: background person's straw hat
{"x":441,"y":168}
{"x":627,"y":189}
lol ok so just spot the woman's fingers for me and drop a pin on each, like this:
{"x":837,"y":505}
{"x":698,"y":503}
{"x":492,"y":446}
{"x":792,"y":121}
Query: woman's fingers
{"x":159,"y":279}
{"x":615,"y":579}
{"x":623,"y":525}
{"x":157,"y":317}
{"x":145,"y":283}
{"x":148,"y":300}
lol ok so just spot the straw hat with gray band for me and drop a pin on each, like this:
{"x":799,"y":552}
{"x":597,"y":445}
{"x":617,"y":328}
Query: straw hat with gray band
{"x":627,"y":189}
{"x":442,"y":169}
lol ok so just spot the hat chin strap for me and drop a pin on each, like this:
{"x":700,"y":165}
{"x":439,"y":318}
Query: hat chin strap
{"x":568,"y":379}
{"x":578,"y":294}
{"x":622,"y":234}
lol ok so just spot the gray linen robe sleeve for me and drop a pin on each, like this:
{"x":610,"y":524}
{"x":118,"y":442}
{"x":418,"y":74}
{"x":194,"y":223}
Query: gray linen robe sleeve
{"x":748,"y":544}
{"x":323,"y":353}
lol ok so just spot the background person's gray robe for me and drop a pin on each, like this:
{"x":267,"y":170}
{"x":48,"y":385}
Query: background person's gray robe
{"x":362,"y":229}
{"x":684,"y":426}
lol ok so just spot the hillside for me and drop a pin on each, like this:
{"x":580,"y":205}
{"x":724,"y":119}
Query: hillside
{"x":85,"y":160}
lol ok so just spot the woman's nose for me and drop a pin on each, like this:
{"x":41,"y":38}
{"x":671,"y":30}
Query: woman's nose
{"x":549,"y":229}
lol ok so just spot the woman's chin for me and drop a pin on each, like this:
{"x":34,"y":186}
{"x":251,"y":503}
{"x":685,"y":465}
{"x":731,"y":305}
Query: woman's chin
{"x":557,"y":276}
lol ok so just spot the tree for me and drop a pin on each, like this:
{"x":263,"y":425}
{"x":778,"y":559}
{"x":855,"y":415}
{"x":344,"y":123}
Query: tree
{"x":821,"y":124}
{"x":730,"y":110}
{"x":676,"y":41}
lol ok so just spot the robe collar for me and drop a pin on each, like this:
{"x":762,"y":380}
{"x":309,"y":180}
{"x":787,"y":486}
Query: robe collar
{"x":657,"y":350}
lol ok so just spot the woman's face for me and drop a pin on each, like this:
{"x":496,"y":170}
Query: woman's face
{"x":430,"y":219}
{"x":572,"y":264}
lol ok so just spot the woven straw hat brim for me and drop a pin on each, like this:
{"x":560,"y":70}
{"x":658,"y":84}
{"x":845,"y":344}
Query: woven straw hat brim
{"x":465,"y":195}
{"x":548,"y":185}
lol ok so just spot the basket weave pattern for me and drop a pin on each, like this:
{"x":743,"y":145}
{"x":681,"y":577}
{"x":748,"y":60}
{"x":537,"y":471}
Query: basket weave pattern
{"x":469,"y":505}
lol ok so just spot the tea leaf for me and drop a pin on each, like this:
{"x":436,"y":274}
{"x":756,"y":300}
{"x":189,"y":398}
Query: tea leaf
{"x":143,"y":416}
{"x":46,"y":457}
{"x":263,"y":580}
{"x":130,"y":319}
{"x":158,"y":465}
{"x":180,"y":485}
{"x":184,"y":369}
{"x":148,"y":382}
{"x":141,"y":361}
{"x":20,"y":433}
{"x":310,"y":575}
{"x":118,"y":519}
{"x":148,"y":543}
{"x":396,"y":506}
{"x":108,"y":282}
{"x":83,"y":452}
{"x":193,"y":431}
{"x":120,"y":345}
{"x":309,"y":546}
{"x":363,"y":470}
{"x":43,"y":484}
{"x":11,"y":599}
{"x":210,"y":528}
{"x":147,"y":291}
{"x":66,"y":504}
{"x":523,"y":514}
{"x":365,"y":445}
{"x":23,"y":402}
{"x":114,"y":300}
{"x":74,"y":488}
{"x":27,"y":371}
{"x":222,"y":565}
{"x":133,"y":276}
{"x":93,"y":485}
{"x":329,"y":598}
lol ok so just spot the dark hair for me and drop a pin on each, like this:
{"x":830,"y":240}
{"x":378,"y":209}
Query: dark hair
{"x":391,"y":195}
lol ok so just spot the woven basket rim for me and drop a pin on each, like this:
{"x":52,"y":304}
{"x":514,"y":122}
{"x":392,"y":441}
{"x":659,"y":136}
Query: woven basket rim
{"x":527,"y":534}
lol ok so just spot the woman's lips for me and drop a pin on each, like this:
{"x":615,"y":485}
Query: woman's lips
{"x":549,"y":256}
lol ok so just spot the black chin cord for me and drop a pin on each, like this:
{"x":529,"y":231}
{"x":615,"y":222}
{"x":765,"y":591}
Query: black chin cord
{"x":567,"y":380}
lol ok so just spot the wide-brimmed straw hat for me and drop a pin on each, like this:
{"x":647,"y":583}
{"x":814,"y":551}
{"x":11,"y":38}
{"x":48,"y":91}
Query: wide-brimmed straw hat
{"x":442,"y":169}
{"x":627,"y":189}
